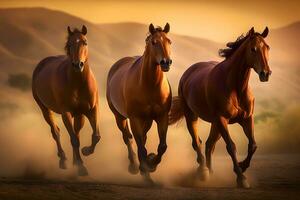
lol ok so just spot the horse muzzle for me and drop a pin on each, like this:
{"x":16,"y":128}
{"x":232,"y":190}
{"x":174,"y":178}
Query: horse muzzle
{"x":165,"y":64}
{"x":264,"y":76}
{"x":78,"y":66}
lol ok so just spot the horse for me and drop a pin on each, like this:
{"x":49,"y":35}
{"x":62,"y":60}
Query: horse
{"x":138,"y":90}
{"x":219,"y":94}
{"x":65,"y":85}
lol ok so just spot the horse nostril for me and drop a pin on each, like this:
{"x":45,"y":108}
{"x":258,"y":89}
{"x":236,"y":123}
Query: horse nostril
{"x":81,"y":64}
{"x":170,"y":62}
{"x":263,"y":74}
{"x":270,"y":72}
{"x":162,"y":62}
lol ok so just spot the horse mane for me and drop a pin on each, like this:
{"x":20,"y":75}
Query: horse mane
{"x":233,"y":46}
{"x":67,"y":45}
{"x":157,"y":29}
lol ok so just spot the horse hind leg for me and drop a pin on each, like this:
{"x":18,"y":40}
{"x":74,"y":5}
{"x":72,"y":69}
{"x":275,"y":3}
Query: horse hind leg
{"x":48,"y":115}
{"x":192,"y":121}
{"x":127,"y":138}
{"x":210,"y":144}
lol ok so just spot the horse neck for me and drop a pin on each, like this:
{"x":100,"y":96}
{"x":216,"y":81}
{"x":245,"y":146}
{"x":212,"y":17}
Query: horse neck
{"x":238,"y":72}
{"x":151,"y":73}
{"x":78,"y":78}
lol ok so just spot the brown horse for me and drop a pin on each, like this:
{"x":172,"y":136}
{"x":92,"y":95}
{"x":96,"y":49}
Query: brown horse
{"x":219,"y":93}
{"x":66,"y":85}
{"x":138,"y":90}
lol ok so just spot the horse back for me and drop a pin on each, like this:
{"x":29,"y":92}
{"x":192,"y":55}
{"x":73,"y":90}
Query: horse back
{"x":115,"y":83}
{"x":193,"y":88}
{"x":44,"y":80}
{"x":47,"y":62}
{"x":123,"y":63}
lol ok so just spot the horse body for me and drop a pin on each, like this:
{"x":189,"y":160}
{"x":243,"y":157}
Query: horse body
{"x":205,"y":86}
{"x":66,"y":85}
{"x":194,"y":88}
{"x":138,"y":90}
{"x":153,"y":99}
{"x":60,"y":90}
{"x":219,"y":93}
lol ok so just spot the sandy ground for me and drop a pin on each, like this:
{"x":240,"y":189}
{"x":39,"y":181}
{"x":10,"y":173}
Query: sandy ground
{"x":273,"y":177}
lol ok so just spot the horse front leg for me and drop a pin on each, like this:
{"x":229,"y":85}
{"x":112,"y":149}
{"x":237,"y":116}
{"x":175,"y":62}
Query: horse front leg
{"x":74,"y":136}
{"x":93,"y":117}
{"x":139,"y":129}
{"x":248,"y":127}
{"x":222,"y":125}
{"x":162,"y":128}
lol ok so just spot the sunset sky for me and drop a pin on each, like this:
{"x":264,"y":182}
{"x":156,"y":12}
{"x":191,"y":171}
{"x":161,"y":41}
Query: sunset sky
{"x":216,"y":20}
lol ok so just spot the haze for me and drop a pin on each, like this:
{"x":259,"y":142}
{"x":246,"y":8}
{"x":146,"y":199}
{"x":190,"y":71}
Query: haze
{"x":215,"y":20}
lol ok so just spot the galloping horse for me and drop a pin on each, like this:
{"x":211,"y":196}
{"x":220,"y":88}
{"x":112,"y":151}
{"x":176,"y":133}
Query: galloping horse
{"x":138,"y":90}
{"x":219,"y":93}
{"x":66,"y":85}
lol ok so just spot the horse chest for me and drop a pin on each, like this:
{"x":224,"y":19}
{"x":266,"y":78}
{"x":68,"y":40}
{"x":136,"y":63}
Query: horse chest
{"x":148,"y":108}
{"x":153,"y":109}
{"x":239,"y":107}
{"x":80,"y":101}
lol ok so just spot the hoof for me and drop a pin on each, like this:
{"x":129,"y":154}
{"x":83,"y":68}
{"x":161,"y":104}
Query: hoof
{"x":242,"y":183}
{"x":148,"y":180}
{"x":133,"y":168}
{"x":151,"y":162}
{"x":82,"y":171}
{"x":87,"y":151}
{"x":62,"y":164}
{"x":203,"y":173}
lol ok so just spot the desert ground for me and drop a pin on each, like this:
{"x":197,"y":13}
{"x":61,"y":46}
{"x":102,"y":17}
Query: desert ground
{"x":271,"y":177}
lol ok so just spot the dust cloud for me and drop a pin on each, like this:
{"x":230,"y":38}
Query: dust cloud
{"x":27,"y":149}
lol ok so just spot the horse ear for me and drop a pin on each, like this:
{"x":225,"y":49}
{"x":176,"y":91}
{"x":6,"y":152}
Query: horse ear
{"x":69,"y":31}
{"x":167,"y":28}
{"x":84,"y":30}
{"x":151,"y":29}
{"x":251,"y":32}
{"x":265,"y":33}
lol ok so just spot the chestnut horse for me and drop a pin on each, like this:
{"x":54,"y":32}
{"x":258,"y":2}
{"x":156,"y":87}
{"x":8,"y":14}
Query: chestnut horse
{"x":138,"y":90}
{"x":66,"y":85}
{"x":219,"y":93}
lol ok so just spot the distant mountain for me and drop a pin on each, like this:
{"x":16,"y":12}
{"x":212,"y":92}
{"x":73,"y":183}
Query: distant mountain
{"x":29,"y":34}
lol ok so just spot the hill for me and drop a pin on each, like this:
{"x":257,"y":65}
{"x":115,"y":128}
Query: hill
{"x":27,"y":35}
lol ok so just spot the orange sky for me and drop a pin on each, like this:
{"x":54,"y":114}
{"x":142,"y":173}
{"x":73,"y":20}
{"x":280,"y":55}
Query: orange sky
{"x":216,"y":20}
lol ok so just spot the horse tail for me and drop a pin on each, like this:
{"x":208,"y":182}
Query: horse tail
{"x":177,"y":110}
